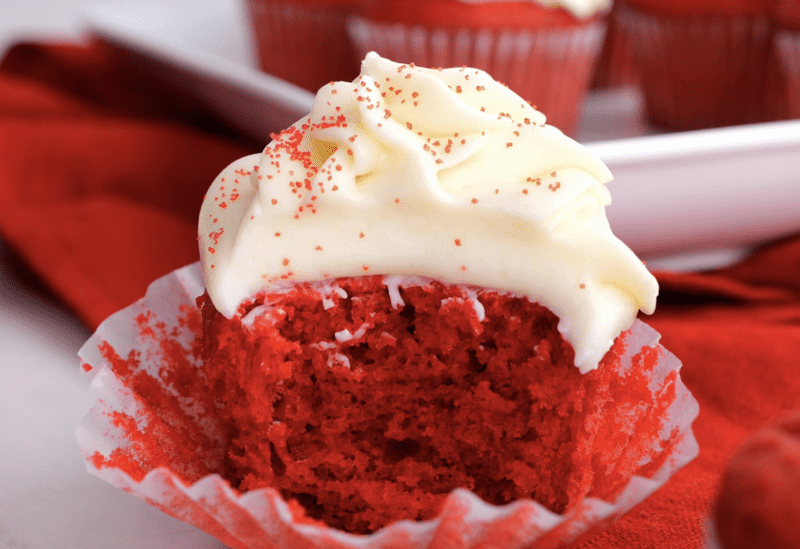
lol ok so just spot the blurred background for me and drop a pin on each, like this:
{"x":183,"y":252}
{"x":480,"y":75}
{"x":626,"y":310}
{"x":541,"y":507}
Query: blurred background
{"x":118,"y":114}
{"x":43,"y":20}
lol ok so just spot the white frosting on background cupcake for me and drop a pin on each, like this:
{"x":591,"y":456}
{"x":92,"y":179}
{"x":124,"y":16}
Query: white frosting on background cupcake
{"x":579,"y":8}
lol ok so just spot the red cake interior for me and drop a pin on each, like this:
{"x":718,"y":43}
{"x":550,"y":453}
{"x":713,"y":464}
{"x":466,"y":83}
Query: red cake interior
{"x":422,"y":398}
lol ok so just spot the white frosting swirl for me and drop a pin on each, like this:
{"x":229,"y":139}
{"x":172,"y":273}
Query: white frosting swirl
{"x":439,"y":173}
{"x":579,"y":8}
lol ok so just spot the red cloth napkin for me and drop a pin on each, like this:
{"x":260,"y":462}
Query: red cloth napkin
{"x":101,"y":174}
{"x":101,"y":180}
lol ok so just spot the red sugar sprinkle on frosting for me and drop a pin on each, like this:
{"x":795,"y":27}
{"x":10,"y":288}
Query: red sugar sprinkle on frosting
{"x":215,"y":235}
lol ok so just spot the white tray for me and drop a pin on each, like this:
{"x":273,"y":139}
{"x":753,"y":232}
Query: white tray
{"x":682,"y":201}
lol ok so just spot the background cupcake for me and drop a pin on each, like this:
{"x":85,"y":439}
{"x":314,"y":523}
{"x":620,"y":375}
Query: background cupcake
{"x":616,"y":67}
{"x":303,"y":41}
{"x":787,"y":50}
{"x":758,"y":505}
{"x":545,"y":51}
{"x":702,"y":61}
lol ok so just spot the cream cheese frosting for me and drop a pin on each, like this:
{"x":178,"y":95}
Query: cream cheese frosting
{"x":445,"y":174}
{"x":579,"y":8}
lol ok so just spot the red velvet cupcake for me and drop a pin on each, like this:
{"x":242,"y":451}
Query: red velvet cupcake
{"x":787,"y":49}
{"x":541,"y":50}
{"x":616,"y":67}
{"x":702,"y":62}
{"x":379,"y":410}
{"x":304,"y":41}
{"x":414,"y":329}
{"x":758,"y":506}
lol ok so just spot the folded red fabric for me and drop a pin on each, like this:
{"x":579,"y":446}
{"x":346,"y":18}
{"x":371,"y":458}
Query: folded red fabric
{"x":102,"y":176}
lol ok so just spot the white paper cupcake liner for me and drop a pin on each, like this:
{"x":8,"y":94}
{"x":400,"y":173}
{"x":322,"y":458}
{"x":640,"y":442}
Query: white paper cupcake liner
{"x":129,"y":350}
{"x":700,"y":71}
{"x":552,"y":69}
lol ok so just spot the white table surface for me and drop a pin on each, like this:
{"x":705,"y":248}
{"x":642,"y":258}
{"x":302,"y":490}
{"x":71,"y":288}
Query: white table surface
{"x":47,"y":499}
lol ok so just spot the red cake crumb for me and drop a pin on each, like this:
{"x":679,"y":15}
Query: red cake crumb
{"x":758,"y":506}
{"x":364,"y":413}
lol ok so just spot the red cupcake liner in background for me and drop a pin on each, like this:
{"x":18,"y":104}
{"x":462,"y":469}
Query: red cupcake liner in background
{"x":787,"y":46}
{"x":700,"y":71}
{"x":551,"y":68}
{"x":303,"y":42}
{"x":154,"y":434}
{"x":616,"y":66}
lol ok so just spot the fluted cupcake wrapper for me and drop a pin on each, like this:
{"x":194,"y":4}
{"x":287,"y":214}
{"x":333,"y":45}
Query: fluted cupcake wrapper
{"x":616,"y":66}
{"x":550,"y":68}
{"x":154,"y":433}
{"x":303,"y":43}
{"x":700,"y":71}
{"x":787,"y":46}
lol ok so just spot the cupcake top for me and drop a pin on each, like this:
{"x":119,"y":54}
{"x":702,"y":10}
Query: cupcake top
{"x":704,"y":7}
{"x":335,"y":3}
{"x":485,"y":14}
{"x":787,"y":14}
{"x":578,"y":8}
{"x":758,"y":505}
{"x":444,"y":174}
